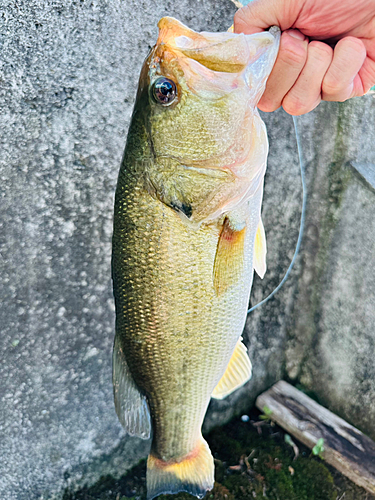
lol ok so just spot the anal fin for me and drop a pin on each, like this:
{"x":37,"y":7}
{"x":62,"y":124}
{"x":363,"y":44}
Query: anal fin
{"x":238,"y":372}
{"x":131,"y":406}
{"x":229,"y":257}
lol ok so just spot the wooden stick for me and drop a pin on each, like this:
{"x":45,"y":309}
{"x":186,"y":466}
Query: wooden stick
{"x":345,"y":447}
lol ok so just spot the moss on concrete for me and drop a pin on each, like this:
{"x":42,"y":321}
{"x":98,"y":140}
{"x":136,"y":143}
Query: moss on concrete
{"x":252,"y":460}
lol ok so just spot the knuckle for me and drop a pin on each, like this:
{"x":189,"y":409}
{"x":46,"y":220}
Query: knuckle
{"x":239,"y":18}
{"x":293,"y":52}
{"x":320,"y":51}
{"x":243,"y":18}
{"x":268,"y":105}
{"x":352,"y":43}
{"x":332,"y":85}
{"x":293,"y":105}
{"x":338,"y":95}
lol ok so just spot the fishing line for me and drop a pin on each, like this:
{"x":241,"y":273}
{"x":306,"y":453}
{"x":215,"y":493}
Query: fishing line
{"x":302,"y":222}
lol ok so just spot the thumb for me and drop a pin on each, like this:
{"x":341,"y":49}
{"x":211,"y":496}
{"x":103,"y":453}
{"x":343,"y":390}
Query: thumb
{"x":258,"y":15}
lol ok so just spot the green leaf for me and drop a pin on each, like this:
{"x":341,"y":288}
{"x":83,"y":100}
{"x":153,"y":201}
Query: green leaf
{"x":319,"y":447}
{"x":267,"y":411}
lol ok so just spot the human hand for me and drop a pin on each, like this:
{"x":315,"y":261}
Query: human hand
{"x":327,"y":50}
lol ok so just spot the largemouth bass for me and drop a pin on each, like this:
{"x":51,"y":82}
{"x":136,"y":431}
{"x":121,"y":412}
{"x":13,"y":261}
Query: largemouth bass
{"x":187,"y":237}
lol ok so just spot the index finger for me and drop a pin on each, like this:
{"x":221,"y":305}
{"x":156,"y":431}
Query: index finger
{"x":259,"y":15}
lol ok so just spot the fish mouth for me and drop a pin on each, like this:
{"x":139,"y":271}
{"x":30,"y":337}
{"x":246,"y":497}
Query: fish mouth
{"x":223,"y":52}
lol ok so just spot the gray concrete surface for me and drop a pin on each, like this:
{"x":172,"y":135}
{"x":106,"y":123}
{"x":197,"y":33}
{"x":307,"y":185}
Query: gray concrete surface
{"x":318,"y":331}
{"x":68,"y":76}
{"x":331,"y":335}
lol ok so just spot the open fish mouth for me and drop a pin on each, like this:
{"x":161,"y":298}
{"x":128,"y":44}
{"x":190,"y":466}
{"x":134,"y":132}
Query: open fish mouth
{"x":224,"y":52}
{"x":213,"y":63}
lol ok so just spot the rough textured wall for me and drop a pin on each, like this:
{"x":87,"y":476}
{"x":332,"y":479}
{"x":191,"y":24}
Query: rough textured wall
{"x":331,"y":348}
{"x":68,"y":75}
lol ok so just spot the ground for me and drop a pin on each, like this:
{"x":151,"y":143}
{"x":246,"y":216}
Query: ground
{"x":252,"y":460}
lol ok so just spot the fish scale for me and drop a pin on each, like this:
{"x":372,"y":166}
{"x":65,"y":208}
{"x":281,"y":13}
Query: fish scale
{"x":157,"y":287}
{"x":187,"y":220}
{"x":165,"y":329}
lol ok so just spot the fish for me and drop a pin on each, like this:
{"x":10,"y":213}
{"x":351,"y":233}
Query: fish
{"x":187,"y":237}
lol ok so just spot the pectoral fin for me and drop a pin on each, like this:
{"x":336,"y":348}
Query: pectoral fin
{"x":260,"y":250}
{"x":229,"y":257}
{"x":131,"y":406}
{"x":238,"y":372}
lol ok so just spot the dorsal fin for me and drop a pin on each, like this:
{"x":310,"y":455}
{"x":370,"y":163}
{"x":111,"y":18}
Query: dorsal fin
{"x":238,"y":372}
{"x":131,"y":406}
{"x":260,"y":250}
{"x":229,"y":256}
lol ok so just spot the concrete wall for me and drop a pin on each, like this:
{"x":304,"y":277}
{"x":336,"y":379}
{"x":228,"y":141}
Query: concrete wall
{"x":331,"y":329}
{"x":68,"y":75}
{"x":319,"y":330}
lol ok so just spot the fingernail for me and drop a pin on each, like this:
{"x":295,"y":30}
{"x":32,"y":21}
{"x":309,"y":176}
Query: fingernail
{"x":296,"y":34}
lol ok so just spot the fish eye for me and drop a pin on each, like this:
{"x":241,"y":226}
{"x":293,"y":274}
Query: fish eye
{"x":164,"y":91}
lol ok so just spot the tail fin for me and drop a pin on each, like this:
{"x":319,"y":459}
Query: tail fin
{"x":194,"y":473}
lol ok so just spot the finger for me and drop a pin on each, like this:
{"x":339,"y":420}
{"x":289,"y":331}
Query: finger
{"x":289,"y":63}
{"x":341,"y":80}
{"x":259,"y":15}
{"x":367,"y":74}
{"x":305,"y":94}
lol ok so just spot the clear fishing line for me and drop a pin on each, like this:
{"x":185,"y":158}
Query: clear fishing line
{"x":301,"y":226}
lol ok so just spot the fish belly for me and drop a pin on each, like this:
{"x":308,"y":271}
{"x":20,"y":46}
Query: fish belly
{"x":177,"y":335}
